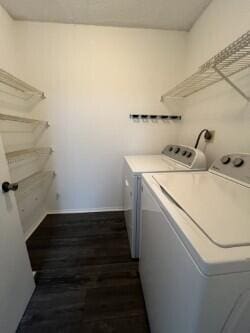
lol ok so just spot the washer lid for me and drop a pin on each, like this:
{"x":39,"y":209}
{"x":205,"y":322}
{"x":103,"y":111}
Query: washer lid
{"x":152,"y":163}
{"x":219,"y":207}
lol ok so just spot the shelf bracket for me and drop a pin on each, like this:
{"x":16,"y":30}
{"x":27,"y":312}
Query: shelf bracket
{"x":232,"y":84}
{"x":165,"y":97}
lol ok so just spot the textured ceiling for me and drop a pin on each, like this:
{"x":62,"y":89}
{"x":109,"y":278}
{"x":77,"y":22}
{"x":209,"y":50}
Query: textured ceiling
{"x":162,"y":14}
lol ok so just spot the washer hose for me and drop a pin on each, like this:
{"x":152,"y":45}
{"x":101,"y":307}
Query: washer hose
{"x":207,"y":136}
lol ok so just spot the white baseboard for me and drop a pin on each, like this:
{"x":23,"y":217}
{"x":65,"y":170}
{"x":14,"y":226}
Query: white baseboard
{"x":34,"y":227}
{"x":87,"y":210}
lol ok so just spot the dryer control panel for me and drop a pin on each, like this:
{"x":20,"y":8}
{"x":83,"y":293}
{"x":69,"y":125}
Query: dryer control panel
{"x":235,"y":166}
{"x":188,"y":156}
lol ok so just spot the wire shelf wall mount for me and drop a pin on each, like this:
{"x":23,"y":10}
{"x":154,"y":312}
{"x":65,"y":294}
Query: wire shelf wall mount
{"x":233,"y":59}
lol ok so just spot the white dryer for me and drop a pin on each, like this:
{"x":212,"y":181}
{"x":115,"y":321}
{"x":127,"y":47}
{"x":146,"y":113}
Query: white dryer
{"x":195,"y":250}
{"x":173,"y":158}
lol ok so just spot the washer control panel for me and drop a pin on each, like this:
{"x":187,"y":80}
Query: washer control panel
{"x":235,"y":166}
{"x":189,"y":156}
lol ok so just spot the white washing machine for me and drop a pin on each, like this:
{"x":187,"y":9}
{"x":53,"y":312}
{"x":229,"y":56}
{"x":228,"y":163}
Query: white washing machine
{"x":173,"y":158}
{"x":195,"y":250}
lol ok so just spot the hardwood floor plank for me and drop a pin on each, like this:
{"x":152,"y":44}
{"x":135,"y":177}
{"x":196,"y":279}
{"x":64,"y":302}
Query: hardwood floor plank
{"x":86,"y":280}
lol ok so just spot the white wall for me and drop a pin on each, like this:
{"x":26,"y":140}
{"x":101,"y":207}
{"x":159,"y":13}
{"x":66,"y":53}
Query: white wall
{"x":94,"y":77}
{"x":219,"y":107}
{"x":7,"y":41}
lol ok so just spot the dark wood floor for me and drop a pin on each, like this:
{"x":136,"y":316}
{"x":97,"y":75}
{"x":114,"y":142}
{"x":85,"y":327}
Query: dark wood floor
{"x":86,"y":281}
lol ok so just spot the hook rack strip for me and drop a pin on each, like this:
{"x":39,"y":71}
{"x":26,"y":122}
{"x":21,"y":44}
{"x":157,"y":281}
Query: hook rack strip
{"x":154,"y":116}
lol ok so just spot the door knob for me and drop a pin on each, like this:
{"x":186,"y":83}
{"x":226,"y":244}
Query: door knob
{"x":6,"y":187}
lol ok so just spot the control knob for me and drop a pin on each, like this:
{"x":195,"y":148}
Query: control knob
{"x":225,"y":159}
{"x":177,"y":150}
{"x":238,"y":162}
{"x":189,"y":154}
{"x":184,"y":153}
{"x":170,"y":148}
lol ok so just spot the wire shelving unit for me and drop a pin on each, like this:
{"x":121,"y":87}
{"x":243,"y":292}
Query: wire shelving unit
{"x":231,"y":60}
{"x":21,"y":135}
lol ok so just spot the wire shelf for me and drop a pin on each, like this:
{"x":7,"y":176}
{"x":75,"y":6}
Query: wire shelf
{"x":21,"y":155}
{"x":8,"y":117}
{"x":28,"y":184}
{"x":17,"y":94}
{"x":231,"y":60}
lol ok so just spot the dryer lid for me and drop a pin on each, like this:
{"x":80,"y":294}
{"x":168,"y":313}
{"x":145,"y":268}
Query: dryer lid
{"x":219,"y":207}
